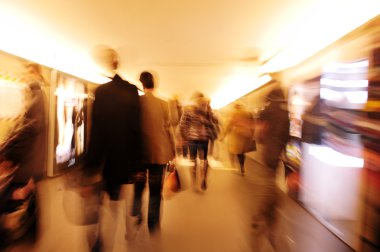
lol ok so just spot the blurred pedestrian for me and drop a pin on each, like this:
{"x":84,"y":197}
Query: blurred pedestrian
{"x":272,"y":128}
{"x":271,"y":133}
{"x":214,"y":129}
{"x":115,"y":140}
{"x":23,"y":159}
{"x":195,"y":124}
{"x":240,"y":134}
{"x":158,"y":150}
{"x":175,"y":110}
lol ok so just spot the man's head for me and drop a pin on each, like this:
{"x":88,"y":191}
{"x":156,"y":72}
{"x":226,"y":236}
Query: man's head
{"x":276,"y":95}
{"x":147,"y":80}
{"x":106,"y":58}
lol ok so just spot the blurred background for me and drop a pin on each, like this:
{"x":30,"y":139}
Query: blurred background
{"x":323,"y":55}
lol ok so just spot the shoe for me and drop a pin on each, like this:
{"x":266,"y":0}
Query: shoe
{"x":204,"y":185}
{"x":139,"y":220}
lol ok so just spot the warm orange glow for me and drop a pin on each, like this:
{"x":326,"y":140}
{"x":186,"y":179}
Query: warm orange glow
{"x":326,"y":22}
{"x":235,"y":87}
{"x":26,"y":38}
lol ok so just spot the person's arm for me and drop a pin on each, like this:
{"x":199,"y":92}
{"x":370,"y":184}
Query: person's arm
{"x":95,"y":152}
{"x":184,"y":124}
{"x":136,"y":123}
{"x":168,"y":127}
{"x":174,"y":114}
{"x":228,"y":127}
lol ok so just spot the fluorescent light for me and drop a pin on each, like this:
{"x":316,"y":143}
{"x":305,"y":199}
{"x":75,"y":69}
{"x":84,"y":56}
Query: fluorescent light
{"x":28,"y":39}
{"x":317,"y":32}
{"x":335,"y":158}
{"x":353,"y":66}
{"x":354,"y":97}
{"x":236,"y":87}
{"x":344,"y":83}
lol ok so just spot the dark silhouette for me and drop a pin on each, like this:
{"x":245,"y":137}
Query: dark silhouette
{"x":158,"y":150}
{"x":115,"y":140}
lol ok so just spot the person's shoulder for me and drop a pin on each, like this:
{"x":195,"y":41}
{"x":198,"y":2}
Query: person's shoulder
{"x":129,"y":85}
{"x":153,"y":96}
{"x":162,"y":101}
{"x":102,"y":90}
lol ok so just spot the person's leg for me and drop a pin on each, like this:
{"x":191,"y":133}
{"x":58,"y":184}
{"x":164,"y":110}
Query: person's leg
{"x":140,"y":181}
{"x":241,"y":158}
{"x":109,"y":220}
{"x":202,"y":152}
{"x":113,"y":190}
{"x":155,"y":190}
{"x":211,"y":149}
{"x":185,"y":149}
{"x":193,"y":157}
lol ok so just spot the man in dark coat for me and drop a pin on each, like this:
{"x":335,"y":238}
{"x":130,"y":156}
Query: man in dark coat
{"x":115,"y":134}
{"x":272,"y":129}
{"x":272,"y":134}
{"x":115,"y":140}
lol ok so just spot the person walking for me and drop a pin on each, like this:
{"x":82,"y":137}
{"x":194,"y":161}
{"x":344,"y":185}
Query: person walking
{"x":22,"y":162}
{"x":272,"y":131}
{"x":115,"y":139}
{"x":272,"y":134}
{"x":240,"y":134}
{"x":196,"y":125}
{"x":158,"y":150}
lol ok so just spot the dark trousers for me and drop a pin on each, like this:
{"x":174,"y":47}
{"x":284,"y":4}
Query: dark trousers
{"x":241,"y":158}
{"x":154,"y":174}
{"x":185,"y":150}
{"x":198,"y":148}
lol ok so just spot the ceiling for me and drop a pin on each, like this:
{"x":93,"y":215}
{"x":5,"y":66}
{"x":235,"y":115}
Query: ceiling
{"x":217,"y":47}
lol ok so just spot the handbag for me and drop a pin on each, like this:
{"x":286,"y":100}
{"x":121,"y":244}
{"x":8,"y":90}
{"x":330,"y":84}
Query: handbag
{"x":172,"y":182}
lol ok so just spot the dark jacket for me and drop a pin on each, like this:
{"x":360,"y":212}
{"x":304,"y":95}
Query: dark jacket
{"x":115,"y":140}
{"x":275,"y":116}
{"x":196,"y":121}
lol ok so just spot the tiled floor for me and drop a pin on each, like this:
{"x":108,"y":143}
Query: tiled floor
{"x":219,"y":219}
